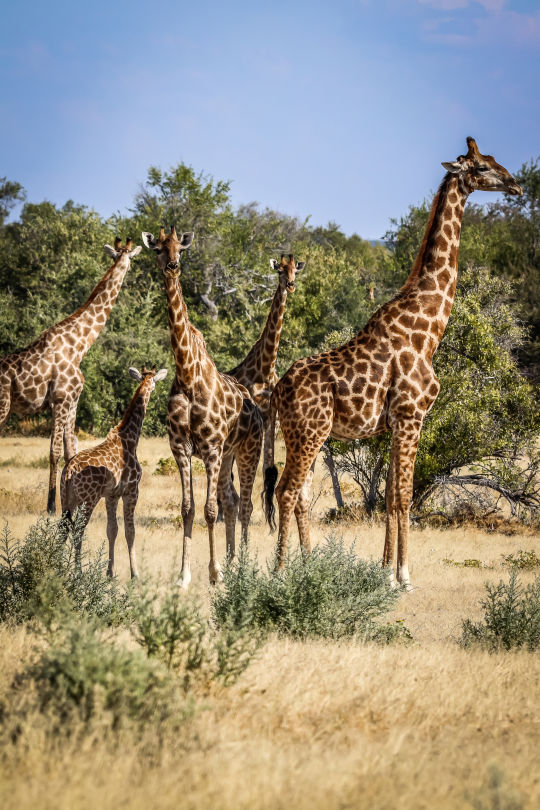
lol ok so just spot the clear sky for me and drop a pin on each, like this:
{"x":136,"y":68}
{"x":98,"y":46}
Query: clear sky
{"x":340,"y":110}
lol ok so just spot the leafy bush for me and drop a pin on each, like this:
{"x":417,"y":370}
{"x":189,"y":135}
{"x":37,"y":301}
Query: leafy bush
{"x":511,"y":617}
{"x":521,"y":559}
{"x":171,"y":627}
{"x":166,"y":466}
{"x":81,"y":681}
{"x":39,"y":573}
{"x":330,"y":593}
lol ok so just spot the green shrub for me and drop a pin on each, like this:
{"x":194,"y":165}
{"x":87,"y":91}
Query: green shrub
{"x":166,"y":466}
{"x":521,"y":559}
{"x":169,"y":624}
{"x":80,"y":681}
{"x":39,"y":573}
{"x":511,"y":617}
{"x":330,"y":593}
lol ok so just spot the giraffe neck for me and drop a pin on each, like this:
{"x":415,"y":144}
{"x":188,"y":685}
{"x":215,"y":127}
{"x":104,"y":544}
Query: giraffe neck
{"x":131,"y":425}
{"x":259,"y":365}
{"x":89,"y":320}
{"x":432,"y":281}
{"x":187,"y":343}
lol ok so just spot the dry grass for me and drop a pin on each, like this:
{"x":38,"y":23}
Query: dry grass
{"x":309,"y":725}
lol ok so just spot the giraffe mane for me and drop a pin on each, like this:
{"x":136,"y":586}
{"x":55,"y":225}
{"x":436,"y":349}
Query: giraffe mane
{"x":438,"y":201}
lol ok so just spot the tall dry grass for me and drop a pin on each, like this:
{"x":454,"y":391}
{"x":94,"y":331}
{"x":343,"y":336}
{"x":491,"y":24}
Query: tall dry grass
{"x":311,"y":724}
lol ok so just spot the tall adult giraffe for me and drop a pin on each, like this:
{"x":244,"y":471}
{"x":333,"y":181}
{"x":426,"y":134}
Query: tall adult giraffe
{"x":383,"y":378}
{"x":210,"y":415}
{"x":257,"y":371}
{"x":47,"y":373}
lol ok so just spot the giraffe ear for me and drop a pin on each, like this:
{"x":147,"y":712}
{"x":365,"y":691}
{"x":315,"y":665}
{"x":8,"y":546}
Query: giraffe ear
{"x":300,"y":266}
{"x":186,"y":239}
{"x":135,"y":251}
{"x":135,"y":373}
{"x":149,"y":240}
{"x":453,"y":167}
{"x":110,"y":251}
{"x":274,"y":264}
{"x":161,"y":374}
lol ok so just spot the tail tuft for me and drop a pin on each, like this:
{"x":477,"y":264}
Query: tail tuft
{"x":270,"y":478}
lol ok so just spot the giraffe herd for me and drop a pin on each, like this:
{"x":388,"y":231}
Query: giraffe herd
{"x":381,"y":380}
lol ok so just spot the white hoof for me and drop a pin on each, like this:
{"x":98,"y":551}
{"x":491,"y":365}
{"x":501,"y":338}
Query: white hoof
{"x":184,"y":580}
{"x":216,"y":575}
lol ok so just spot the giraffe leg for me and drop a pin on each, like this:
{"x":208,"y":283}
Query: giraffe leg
{"x":60,"y":415}
{"x":130,"y":502}
{"x":399,"y":487}
{"x":183,"y":460}
{"x":301,"y":511}
{"x":88,"y":506}
{"x":229,"y":503}
{"x":5,"y":403}
{"x":247,"y":464}
{"x":111,"y":504}
{"x":70,"y":440}
{"x":288,"y":491}
{"x":212,"y":462}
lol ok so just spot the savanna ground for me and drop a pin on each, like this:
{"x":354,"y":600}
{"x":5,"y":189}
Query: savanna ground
{"x":312,"y":724}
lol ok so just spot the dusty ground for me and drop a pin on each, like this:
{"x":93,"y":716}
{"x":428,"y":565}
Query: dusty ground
{"x":317,"y":724}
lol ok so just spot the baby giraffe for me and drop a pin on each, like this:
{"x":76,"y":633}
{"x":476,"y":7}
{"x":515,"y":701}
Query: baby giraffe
{"x":111,"y":470}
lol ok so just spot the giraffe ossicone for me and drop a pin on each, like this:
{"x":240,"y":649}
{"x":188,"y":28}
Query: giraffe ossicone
{"x":383,"y":379}
{"x":112,"y":471}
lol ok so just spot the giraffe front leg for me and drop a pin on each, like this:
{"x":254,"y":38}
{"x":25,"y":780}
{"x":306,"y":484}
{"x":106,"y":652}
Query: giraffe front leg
{"x":70,"y":440}
{"x":183,"y":461}
{"x":130,"y":502}
{"x":229,"y":504}
{"x":212,"y":462}
{"x":60,"y":414}
{"x":247,"y":460}
{"x":399,"y":489}
{"x":111,"y":504}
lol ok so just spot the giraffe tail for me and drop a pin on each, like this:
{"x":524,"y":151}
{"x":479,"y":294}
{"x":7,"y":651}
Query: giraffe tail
{"x":270,"y":469}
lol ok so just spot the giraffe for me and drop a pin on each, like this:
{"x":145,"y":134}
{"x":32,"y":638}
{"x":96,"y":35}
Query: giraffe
{"x":209,"y":415}
{"x":383,"y":378}
{"x":111,"y":470}
{"x":257,"y":372}
{"x":47,"y":373}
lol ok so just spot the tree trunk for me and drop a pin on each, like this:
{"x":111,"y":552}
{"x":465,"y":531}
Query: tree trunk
{"x":329,"y":461}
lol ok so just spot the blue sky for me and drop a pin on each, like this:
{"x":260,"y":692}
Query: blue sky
{"x":339,"y":110}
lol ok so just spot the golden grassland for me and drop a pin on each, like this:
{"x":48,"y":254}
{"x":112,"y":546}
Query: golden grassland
{"x":313,"y":724}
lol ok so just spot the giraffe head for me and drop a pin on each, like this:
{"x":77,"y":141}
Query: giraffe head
{"x":482,"y":172}
{"x":147,"y":376}
{"x":168,"y":248}
{"x":287,"y":270}
{"x":120,"y":250}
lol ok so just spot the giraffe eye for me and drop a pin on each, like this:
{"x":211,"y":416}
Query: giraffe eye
{"x":482,"y":168}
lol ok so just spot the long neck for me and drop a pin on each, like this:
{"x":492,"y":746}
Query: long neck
{"x":89,"y":320}
{"x":186,"y":341}
{"x":433,"y":278}
{"x":260,"y":363}
{"x":131,"y":425}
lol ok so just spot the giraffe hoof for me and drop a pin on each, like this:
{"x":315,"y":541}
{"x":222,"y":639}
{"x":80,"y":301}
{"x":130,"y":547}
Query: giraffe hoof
{"x":184,"y":581}
{"x":216,"y":576}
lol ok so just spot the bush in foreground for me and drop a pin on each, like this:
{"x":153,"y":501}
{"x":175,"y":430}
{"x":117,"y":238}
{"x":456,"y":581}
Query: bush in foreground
{"x":170,"y":626}
{"x":511,"y":617}
{"x":39,"y":572}
{"x":330,"y":593}
{"x":81,"y":681}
